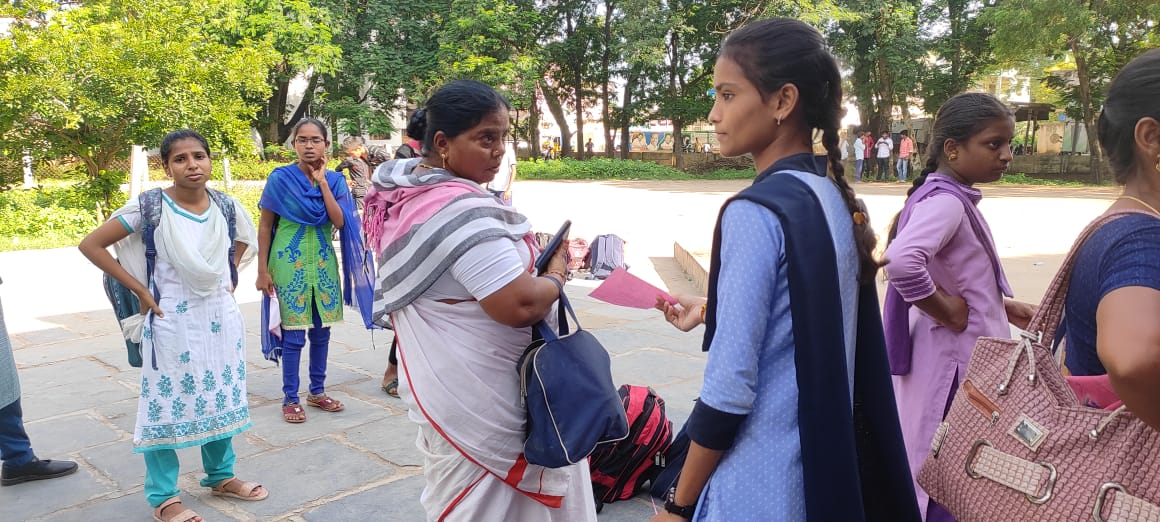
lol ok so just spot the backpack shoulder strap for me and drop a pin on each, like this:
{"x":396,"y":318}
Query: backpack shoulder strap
{"x":226,"y":204}
{"x":150,"y":203}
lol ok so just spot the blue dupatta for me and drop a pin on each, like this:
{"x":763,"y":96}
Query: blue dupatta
{"x":292,"y":196}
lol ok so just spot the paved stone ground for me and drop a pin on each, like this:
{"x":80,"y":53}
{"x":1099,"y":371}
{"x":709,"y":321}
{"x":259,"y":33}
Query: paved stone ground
{"x":361,"y":464}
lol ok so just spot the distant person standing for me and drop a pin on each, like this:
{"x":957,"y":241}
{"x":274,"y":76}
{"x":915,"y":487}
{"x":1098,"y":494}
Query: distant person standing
{"x":356,"y":164}
{"x":882,"y":149}
{"x":905,"y":149}
{"x":868,"y":141}
{"x":859,"y":155}
{"x":501,"y":185}
{"x":588,"y":147}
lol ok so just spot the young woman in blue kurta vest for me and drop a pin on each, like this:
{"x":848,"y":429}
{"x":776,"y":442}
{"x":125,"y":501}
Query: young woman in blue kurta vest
{"x":796,"y":417}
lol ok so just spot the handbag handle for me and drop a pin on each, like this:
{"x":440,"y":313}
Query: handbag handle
{"x":564,"y":309}
{"x":1045,"y":322}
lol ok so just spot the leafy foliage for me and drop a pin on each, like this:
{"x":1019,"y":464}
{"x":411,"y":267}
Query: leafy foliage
{"x":1098,"y":37}
{"x":95,"y":79}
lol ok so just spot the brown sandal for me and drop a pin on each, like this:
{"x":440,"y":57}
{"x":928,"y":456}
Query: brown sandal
{"x":184,"y":516}
{"x":248,"y":488}
{"x":293,"y":413}
{"x":324,"y":402}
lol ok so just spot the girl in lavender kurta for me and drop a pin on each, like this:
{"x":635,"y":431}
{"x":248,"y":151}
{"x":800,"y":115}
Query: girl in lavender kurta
{"x":942,"y":260}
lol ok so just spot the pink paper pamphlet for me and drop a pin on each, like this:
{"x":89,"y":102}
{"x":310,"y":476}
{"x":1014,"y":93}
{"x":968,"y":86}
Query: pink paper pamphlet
{"x":624,"y":289}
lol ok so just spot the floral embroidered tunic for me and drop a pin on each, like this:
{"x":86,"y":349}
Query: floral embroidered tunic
{"x":304,"y":267}
{"x":193,"y":380}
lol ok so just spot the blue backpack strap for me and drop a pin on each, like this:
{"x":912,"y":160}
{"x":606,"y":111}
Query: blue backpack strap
{"x":150,"y":203}
{"x":226,"y":204}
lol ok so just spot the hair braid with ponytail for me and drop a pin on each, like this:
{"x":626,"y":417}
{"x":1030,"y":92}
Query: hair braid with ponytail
{"x":779,"y":51}
{"x":959,"y":118}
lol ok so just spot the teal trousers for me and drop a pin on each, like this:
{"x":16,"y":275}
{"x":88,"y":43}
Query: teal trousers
{"x":162,"y":469}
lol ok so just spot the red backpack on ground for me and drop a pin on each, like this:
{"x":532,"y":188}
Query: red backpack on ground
{"x":620,"y":469}
{"x":577,"y":254}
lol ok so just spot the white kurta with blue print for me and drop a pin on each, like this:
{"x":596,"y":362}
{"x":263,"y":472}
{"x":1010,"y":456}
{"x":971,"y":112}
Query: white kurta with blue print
{"x":751,"y":369}
{"x":197,"y":394}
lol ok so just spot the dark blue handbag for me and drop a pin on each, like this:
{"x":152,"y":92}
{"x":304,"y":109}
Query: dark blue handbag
{"x":566,"y":383}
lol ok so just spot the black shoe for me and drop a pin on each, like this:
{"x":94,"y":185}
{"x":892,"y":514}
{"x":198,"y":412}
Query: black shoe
{"x":36,"y":470}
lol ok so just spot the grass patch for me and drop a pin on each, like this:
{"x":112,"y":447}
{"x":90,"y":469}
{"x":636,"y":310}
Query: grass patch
{"x":1020,"y":178}
{"x":615,"y":169}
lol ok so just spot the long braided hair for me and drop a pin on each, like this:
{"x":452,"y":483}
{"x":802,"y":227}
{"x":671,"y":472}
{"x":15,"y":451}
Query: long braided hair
{"x":781,"y":51}
{"x":959,"y":118}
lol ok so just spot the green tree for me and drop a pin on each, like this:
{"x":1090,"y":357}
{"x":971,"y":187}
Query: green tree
{"x":1100,"y":36}
{"x":573,"y":41}
{"x":495,"y":42}
{"x":958,"y":39}
{"x":385,"y":67}
{"x":92,"y":80}
{"x":879,"y":41}
{"x":302,"y":34}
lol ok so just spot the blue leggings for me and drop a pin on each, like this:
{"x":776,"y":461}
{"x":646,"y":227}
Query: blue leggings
{"x":292,"y":343}
{"x":162,"y":469}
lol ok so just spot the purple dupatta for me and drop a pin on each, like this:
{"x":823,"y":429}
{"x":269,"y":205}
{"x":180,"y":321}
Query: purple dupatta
{"x":896,"y":311}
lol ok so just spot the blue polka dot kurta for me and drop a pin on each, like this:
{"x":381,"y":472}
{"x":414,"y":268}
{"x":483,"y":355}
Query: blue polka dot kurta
{"x":751,"y":369}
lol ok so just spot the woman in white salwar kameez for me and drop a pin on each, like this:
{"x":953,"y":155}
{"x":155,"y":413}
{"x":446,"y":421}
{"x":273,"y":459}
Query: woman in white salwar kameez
{"x":193,"y":380}
{"x":457,"y":279}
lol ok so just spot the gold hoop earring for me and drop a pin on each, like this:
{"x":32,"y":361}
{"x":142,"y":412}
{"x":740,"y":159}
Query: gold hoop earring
{"x":953,"y":156}
{"x":444,"y":157}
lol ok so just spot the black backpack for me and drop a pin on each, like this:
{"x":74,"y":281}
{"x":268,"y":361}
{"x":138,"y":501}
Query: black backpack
{"x":670,"y":468}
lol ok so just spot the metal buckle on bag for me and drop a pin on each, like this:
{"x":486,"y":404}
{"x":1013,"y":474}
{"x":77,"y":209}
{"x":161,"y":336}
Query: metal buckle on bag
{"x":1102,"y":496}
{"x":1049,"y":487}
{"x":971,"y":456}
{"x":1052,"y":476}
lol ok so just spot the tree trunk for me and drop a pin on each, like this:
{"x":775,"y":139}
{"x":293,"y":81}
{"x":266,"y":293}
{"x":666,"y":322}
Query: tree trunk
{"x":605,"y":64}
{"x":627,"y":112}
{"x":275,"y":110}
{"x":557,"y":111}
{"x":300,"y":111}
{"x":885,"y":97}
{"x":674,"y":72}
{"x":534,"y":127}
{"x":1083,"y":74}
{"x":579,"y":86}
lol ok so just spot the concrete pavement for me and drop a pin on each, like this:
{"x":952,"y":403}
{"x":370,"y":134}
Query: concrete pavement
{"x":362,"y":464}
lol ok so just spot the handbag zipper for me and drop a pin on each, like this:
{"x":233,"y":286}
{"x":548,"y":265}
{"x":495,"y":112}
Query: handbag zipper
{"x":981,"y":402}
{"x":524,"y":376}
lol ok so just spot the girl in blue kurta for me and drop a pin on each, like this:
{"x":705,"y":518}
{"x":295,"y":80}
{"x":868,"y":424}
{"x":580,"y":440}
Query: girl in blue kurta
{"x":302,"y":204}
{"x":796,"y":417}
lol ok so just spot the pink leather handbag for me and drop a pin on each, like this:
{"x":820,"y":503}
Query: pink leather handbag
{"x":1017,"y":445}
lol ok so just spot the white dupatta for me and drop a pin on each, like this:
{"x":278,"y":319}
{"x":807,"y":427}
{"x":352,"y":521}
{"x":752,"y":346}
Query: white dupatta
{"x":199,"y":266}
